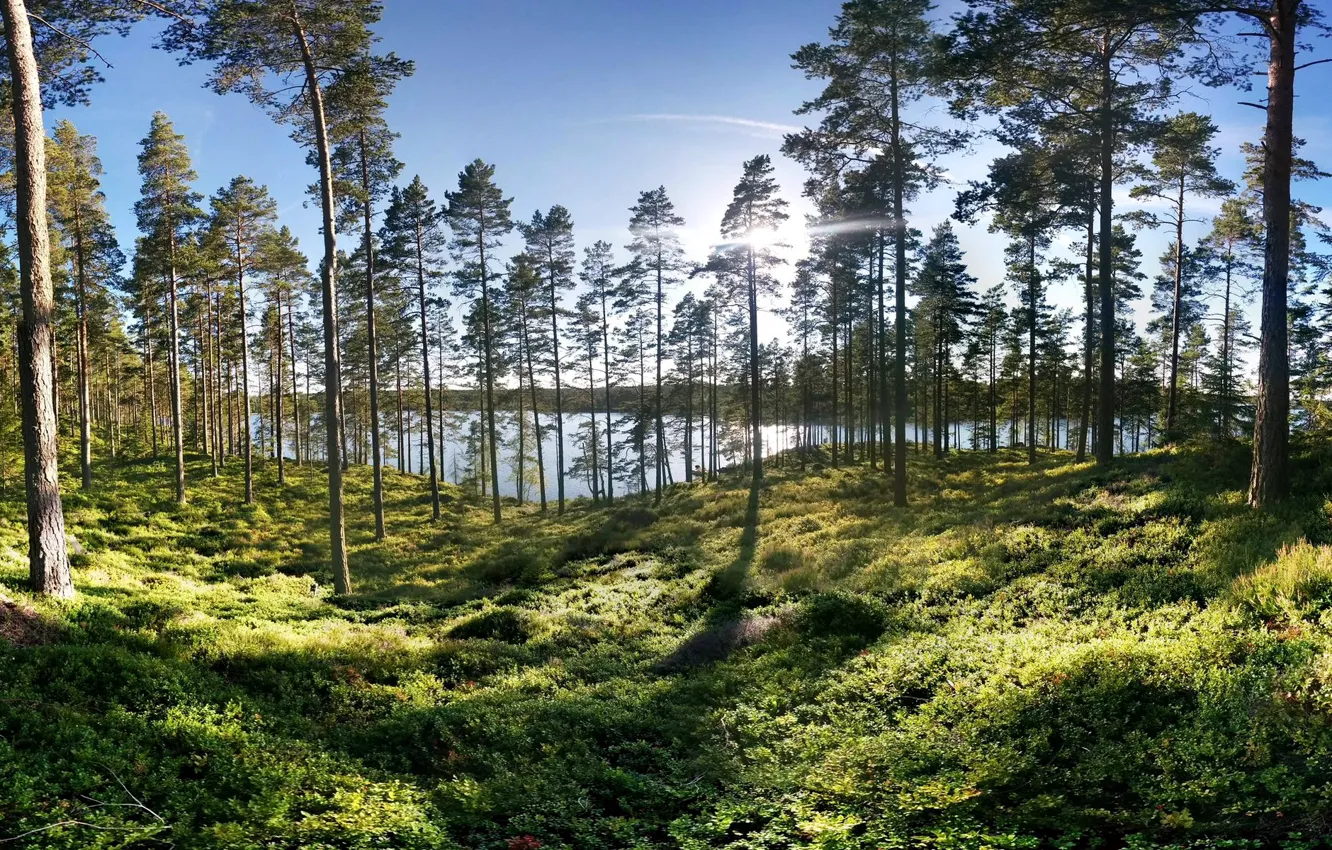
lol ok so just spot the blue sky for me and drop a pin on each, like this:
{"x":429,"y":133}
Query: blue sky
{"x":579,"y":102}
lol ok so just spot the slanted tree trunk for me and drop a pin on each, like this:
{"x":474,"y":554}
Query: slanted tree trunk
{"x":332,"y":357}
{"x":48,"y":559}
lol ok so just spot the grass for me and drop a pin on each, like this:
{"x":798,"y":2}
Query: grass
{"x":1059,"y":656}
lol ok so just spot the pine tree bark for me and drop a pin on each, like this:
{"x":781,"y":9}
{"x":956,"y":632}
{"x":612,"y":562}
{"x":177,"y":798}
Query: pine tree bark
{"x":1268,"y":479}
{"x":48,"y":558}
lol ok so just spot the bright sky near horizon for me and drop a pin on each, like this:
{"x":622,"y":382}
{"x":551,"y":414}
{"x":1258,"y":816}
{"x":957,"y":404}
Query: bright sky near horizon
{"x":586,"y":103}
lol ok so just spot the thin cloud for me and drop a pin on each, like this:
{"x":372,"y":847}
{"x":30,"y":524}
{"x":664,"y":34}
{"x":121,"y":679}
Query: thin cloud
{"x":767,"y":127}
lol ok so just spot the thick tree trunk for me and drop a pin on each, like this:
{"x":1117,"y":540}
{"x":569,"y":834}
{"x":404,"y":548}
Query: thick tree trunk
{"x":1268,"y":480}
{"x":332,"y":359}
{"x":48,"y":559}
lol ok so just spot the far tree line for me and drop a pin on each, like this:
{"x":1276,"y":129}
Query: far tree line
{"x":214,"y":337}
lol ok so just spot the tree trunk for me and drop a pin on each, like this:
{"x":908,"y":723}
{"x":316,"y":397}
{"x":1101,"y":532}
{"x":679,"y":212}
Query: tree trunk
{"x":899,"y":246}
{"x":1105,"y":412}
{"x":1268,"y":480}
{"x":1032,"y":286}
{"x":1172,"y":398}
{"x":332,"y":359}
{"x":425,"y":372}
{"x":755,"y":412}
{"x":559,"y":402}
{"x":1084,"y":418}
{"x":610,"y":436}
{"x":372,"y":346}
{"x":48,"y":560}
{"x":490,"y":374}
{"x":81,"y":353}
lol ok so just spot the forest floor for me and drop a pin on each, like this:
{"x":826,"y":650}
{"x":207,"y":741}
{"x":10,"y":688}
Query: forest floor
{"x":1059,"y":656}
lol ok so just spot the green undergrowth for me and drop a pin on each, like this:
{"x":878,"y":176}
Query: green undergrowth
{"x":1051,"y":657}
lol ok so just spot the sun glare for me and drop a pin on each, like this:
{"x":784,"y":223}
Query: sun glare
{"x":762,"y":238}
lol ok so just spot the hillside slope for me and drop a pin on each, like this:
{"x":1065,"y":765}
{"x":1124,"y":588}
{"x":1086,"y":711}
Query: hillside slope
{"x":1049,"y":657}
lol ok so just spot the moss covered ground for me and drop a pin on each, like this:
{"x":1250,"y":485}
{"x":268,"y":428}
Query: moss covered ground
{"x":1059,"y":656}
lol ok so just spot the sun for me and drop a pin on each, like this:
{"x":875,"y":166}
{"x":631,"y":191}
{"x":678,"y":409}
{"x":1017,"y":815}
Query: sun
{"x":763,"y":237}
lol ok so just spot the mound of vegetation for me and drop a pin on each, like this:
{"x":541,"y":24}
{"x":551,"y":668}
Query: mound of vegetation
{"x":1048,"y":656}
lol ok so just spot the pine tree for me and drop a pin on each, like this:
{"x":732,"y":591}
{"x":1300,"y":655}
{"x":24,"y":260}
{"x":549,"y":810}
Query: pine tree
{"x":1183,"y":164}
{"x":523,"y":295}
{"x":78,"y":208}
{"x":167,"y":209}
{"x":414,"y":240}
{"x":751,"y":222}
{"x":363,"y":160}
{"x":255,"y":47}
{"x":598,"y":274}
{"x":1066,"y":67}
{"x":479,"y":214}
{"x":550,"y":244}
{"x":244,"y":214}
{"x":286,"y":273}
{"x":945,"y":305}
{"x":655,"y":246}
{"x":877,"y":65}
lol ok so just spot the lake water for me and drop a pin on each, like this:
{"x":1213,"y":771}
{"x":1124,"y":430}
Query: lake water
{"x":459,"y":453}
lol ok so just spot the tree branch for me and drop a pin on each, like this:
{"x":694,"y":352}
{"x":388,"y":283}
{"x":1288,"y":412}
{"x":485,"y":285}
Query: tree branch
{"x":53,"y":28}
